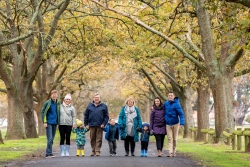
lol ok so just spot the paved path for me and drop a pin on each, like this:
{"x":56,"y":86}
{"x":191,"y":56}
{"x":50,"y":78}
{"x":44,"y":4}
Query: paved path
{"x":107,"y":161}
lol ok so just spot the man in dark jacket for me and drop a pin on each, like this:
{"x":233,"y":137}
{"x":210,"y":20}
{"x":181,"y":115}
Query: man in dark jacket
{"x":50,"y":118}
{"x":174,"y":118}
{"x":95,"y":118}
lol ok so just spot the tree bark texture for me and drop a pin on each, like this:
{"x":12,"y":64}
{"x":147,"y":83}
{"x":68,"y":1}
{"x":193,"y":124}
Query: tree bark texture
{"x":15,"y":128}
{"x":1,"y":138}
{"x":202,"y":109}
{"x":185,"y":101}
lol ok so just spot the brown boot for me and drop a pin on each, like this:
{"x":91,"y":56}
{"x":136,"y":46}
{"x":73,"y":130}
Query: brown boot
{"x":92,"y":154}
{"x":97,"y":153}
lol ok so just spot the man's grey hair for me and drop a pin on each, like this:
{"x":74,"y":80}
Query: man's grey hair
{"x":97,"y":94}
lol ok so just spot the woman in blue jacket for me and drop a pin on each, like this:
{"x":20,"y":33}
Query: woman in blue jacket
{"x":129,"y":121}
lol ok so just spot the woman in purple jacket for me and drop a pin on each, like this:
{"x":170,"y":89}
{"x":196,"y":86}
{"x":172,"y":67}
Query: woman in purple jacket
{"x":158,"y":124}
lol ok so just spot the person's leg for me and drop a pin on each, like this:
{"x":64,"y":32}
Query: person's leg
{"x":132,"y":145}
{"x":62,"y":132}
{"x":142,"y":150}
{"x":175,"y":135}
{"x":114,"y":147}
{"x":68,"y":130}
{"x":49,"y":140}
{"x":82,"y":148}
{"x":78,"y":150}
{"x":93,"y":139}
{"x":62,"y":138}
{"x":126,"y":145}
{"x":53,"y":136}
{"x":146,"y":149}
{"x":98,"y":146}
{"x":162,"y":140}
{"x":68,"y":133}
{"x":158,"y":141}
{"x":110,"y":147}
{"x":170,"y":140}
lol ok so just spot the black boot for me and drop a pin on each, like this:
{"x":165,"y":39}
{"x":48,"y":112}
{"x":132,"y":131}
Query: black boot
{"x":132,"y":153}
{"x":126,"y":153}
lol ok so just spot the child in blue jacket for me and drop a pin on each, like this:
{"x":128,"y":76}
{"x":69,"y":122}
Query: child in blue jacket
{"x":145,"y":134}
{"x":80,"y":137}
{"x":112,"y":134}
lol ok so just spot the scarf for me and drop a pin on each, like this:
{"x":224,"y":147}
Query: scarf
{"x":130,"y":114}
{"x":65,"y":105}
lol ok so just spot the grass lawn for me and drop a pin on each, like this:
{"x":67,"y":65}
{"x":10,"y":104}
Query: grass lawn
{"x":17,"y":149}
{"x":212,"y":155}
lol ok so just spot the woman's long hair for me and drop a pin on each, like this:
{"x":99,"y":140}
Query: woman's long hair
{"x":160,"y":101}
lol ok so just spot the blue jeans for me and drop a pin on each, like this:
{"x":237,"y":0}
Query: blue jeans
{"x":50,"y":134}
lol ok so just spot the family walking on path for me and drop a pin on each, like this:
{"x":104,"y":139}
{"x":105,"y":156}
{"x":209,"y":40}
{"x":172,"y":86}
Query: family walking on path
{"x":164,"y":119}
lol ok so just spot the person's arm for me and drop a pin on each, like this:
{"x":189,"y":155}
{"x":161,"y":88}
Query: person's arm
{"x":139,"y":118}
{"x":180,"y":114}
{"x":152,"y":117}
{"x":106,"y":116}
{"x":120,"y":119}
{"x":86,"y":118}
{"x":74,"y":117}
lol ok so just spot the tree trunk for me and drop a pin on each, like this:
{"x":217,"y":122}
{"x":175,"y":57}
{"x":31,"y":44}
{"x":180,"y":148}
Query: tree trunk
{"x":220,"y":75}
{"x":203,"y":110}
{"x":223,"y":105}
{"x":1,"y":138}
{"x":185,"y":100}
{"x":29,"y":117}
{"x":15,"y":128}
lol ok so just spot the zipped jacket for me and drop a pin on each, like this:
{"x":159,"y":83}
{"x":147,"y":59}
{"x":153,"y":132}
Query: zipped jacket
{"x":45,"y":109}
{"x":173,"y":112}
{"x":67,"y":115}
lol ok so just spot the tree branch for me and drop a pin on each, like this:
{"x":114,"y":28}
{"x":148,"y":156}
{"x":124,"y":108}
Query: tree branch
{"x":243,"y":72}
{"x":232,"y":60}
{"x":54,"y":24}
{"x":11,"y":41}
{"x":243,"y":2}
{"x":145,"y":26}
{"x":166,"y":74}
{"x":3,"y":90}
{"x":157,"y":90}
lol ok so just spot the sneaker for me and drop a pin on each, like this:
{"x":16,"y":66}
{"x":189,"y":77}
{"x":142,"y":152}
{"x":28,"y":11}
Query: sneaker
{"x":52,"y":156}
{"x":114,"y":154}
{"x":92,"y":154}
{"x":111,"y":154}
{"x":174,"y":154}
{"x":47,"y":156}
{"x":170,"y":155}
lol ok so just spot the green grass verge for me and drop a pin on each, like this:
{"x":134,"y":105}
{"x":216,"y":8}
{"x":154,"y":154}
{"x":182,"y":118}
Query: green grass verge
{"x":212,"y":155}
{"x":17,"y":149}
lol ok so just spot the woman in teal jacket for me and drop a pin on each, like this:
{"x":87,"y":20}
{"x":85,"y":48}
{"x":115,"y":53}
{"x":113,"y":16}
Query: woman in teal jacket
{"x":129,"y":121}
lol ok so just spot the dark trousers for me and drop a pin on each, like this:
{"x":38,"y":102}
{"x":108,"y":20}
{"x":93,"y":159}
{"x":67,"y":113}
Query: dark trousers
{"x":159,"y":141}
{"x":65,"y":132}
{"x":144,"y":145}
{"x":112,"y":147}
{"x":127,"y":141}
